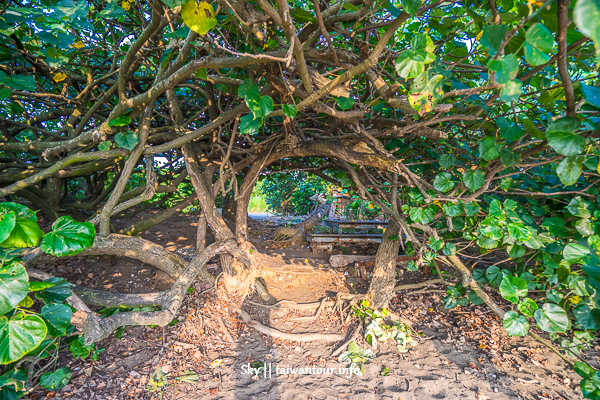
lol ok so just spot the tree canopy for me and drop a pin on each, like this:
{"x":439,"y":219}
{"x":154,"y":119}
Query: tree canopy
{"x":473,"y":125}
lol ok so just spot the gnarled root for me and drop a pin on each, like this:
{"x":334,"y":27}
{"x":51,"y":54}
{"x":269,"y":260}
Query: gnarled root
{"x":297,"y":337}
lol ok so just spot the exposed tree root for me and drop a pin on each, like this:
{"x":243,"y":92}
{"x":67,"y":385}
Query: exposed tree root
{"x":297,"y":337}
{"x":352,"y":337}
{"x":420,"y":285}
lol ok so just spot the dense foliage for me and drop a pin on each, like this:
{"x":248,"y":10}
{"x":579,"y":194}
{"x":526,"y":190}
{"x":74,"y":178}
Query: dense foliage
{"x":291,"y":193}
{"x":471,"y":124}
{"x":34,"y":319}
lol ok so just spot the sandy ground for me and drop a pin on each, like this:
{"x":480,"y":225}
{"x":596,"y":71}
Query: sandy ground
{"x":462,"y":353}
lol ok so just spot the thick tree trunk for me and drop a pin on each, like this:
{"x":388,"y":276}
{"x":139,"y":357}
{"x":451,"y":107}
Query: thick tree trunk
{"x":237,"y":277}
{"x":381,"y":289}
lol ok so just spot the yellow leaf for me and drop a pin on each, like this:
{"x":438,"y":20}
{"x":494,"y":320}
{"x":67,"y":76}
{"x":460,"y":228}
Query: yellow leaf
{"x":59,"y":77}
{"x":575,"y":299}
{"x":78,"y":45}
{"x":216,"y":363}
{"x":126,"y":5}
{"x":371,"y":206}
{"x":199,"y":16}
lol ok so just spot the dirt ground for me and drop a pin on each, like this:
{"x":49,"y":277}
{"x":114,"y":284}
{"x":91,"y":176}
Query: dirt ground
{"x":461,"y":354}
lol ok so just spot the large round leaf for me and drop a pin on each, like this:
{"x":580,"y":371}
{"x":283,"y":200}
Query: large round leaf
{"x":20,"y":335}
{"x":512,"y":288}
{"x":474,"y":179}
{"x":58,"y":317}
{"x":566,"y":143}
{"x":14,"y":285}
{"x":26,"y":233}
{"x":574,"y":252}
{"x":443,"y":182}
{"x":552,"y":318}
{"x":68,"y":237}
{"x":515,"y":324}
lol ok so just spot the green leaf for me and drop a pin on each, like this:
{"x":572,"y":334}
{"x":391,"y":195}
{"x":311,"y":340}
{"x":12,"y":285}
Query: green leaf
{"x":535,"y":56}
{"x":447,"y":161}
{"x":453,"y":209}
{"x":443,"y":182}
{"x":249,"y":124}
{"x":411,"y":6}
{"x":511,"y":91}
{"x":475,"y":300}
{"x":539,"y":42}
{"x":509,"y":157}
{"x":506,"y":69}
{"x":527,"y":306}
{"x":58,"y":292}
{"x":20,"y":210}
{"x":290,"y":110}
{"x":494,"y":275}
{"x":574,"y":252}
{"x":14,"y":286}
{"x":512,"y":288}
{"x":587,"y":18}
{"x":78,"y":349}
{"x":56,"y":380}
{"x":591,"y":94}
{"x":586,"y":318}
{"x":449,"y":249}
{"x":518,"y":231}
{"x":26,"y":233}
{"x":562,"y":138}
{"x":68,"y":237}
{"x":583,"y":369}
{"x":58,"y":318}
{"x":569,"y":170}
{"x":435,"y":244}
{"x":344,"y":103}
{"x":199,"y":16}
{"x":409,"y":65}
{"x":472,"y":208}
{"x":584,"y":227}
{"x":489,"y":149}
{"x":127,"y":140}
{"x":579,"y":208}
{"x":123,"y":120}
{"x":19,"y":335}
{"x":422,"y":44}
{"x":421,"y":215}
{"x":474,"y":179}
{"x":492,"y":37}
{"x":21,"y":82}
{"x":515,"y":324}
{"x":590,"y":388}
{"x":540,"y":36}
{"x":552,"y":318}
{"x":7,"y":223}
{"x":265,"y":107}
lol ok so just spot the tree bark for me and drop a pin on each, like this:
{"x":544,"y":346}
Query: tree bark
{"x":381,"y":289}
